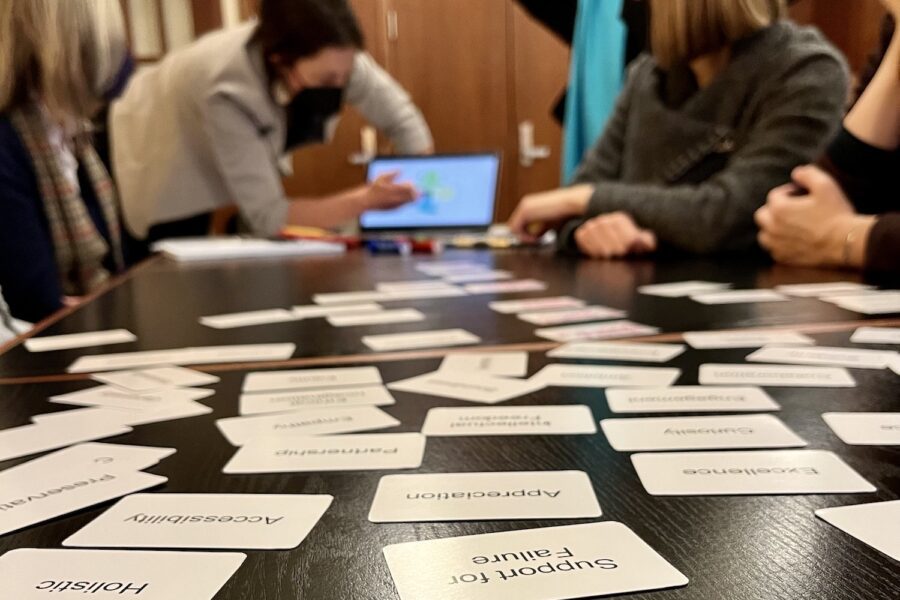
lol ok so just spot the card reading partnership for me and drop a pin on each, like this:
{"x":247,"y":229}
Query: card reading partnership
{"x":760,"y":472}
{"x":296,"y":454}
{"x":552,"y":563}
{"x":30,"y":574}
{"x":484,"y":497}
{"x":205,"y":521}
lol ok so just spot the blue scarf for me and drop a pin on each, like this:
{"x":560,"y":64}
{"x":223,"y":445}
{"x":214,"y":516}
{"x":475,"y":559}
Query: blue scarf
{"x":595,"y":78}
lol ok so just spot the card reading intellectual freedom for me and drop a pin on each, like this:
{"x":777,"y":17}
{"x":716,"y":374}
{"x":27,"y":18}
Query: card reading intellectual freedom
{"x":510,"y":420}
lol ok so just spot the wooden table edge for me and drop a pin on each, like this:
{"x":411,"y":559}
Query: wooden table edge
{"x":62,"y":313}
{"x":324,"y":361}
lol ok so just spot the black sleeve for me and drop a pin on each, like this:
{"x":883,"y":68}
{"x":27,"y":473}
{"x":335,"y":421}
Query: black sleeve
{"x":883,"y":249}
{"x":868,"y":174}
{"x":556,"y":15}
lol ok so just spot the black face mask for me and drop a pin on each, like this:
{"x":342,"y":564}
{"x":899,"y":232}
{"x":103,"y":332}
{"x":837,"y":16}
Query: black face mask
{"x":309,"y":112}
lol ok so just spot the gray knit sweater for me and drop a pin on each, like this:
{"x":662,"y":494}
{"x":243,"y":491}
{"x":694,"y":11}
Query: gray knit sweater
{"x":695,"y":171}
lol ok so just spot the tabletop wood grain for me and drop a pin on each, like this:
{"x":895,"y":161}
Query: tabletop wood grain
{"x":735,"y":548}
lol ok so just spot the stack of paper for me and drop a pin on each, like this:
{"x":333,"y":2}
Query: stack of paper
{"x":231,"y":248}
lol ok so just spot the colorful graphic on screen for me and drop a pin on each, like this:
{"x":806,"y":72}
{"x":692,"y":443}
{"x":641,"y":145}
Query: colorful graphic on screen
{"x":454,"y":191}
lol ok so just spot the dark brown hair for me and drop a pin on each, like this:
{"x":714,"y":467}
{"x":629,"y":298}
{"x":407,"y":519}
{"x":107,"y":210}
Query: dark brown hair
{"x":296,"y":29}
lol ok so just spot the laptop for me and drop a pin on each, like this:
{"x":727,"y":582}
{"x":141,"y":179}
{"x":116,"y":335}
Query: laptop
{"x":458,"y":194}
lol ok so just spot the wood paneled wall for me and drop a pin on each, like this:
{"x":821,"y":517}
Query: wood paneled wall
{"x":853,"y":25}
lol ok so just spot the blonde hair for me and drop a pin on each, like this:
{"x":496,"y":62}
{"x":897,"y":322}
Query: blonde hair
{"x":682,"y":30}
{"x":62,"y":53}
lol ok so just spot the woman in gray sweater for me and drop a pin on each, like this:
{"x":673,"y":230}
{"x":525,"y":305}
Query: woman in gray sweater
{"x":731,"y":100}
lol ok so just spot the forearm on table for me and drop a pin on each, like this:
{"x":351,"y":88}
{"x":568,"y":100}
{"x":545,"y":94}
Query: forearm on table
{"x":329,"y":211}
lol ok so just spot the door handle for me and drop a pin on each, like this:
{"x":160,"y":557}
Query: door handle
{"x":368,"y":141}
{"x":528,"y":151}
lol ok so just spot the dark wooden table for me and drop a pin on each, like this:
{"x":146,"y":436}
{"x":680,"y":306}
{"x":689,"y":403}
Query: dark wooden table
{"x":735,"y":548}
{"x":731,"y":548}
{"x":162,"y":303}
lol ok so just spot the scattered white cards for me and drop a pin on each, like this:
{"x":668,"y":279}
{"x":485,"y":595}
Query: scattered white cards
{"x":865,"y":429}
{"x":839,"y":357}
{"x":384,"y":317}
{"x":486,"y":389}
{"x":551,"y":563}
{"x":484,"y":497}
{"x":498,"y":364}
{"x":698,"y":433}
{"x":204,"y":521}
{"x":775,"y":375}
{"x":248,"y":319}
{"x":739,"y":297}
{"x":721,"y":340}
{"x":310,"y":379}
{"x":623,"y":351}
{"x":373,"y":395}
{"x":112,"y":397}
{"x":816,"y":290}
{"x":603,"y":377}
{"x":420,"y":339}
{"x":876,"y":335}
{"x":596,"y":331}
{"x":868,"y":303}
{"x":510,"y":420}
{"x":876,"y":524}
{"x":155,"y":380}
{"x":29,"y":574}
{"x":747,"y":472}
{"x":298,"y":454}
{"x":415,"y":285}
{"x":690,"y":399}
{"x":183,"y":356}
{"x":73,"y":479}
{"x":241,"y":430}
{"x":571,"y":315}
{"x":79,"y":340}
{"x":17,"y":442}
{"x":478,"y":276}
{"x":681,"y":289}
{"x":131,"y":417}
{"x":508,"y":307}
{"x":315,"y":311}
{"x":506,"y":287}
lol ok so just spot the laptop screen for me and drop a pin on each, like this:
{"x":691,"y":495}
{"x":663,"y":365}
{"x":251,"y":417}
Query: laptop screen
{"x":456,"y":191}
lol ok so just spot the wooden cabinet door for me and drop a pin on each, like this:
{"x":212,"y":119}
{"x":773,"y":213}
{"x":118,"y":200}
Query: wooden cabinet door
{"x":451,"y":55}
{"x":540,"y":73}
